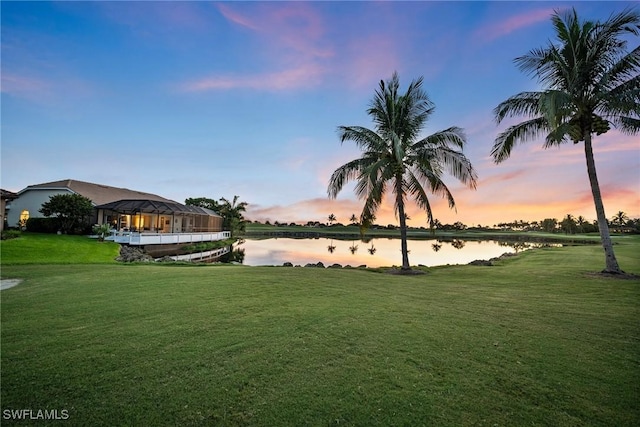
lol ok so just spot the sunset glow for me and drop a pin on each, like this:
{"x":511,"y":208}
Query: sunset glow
{"x":206,"y":99}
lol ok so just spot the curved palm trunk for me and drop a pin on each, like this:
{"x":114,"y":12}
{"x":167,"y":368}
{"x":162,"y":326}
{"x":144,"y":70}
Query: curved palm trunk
{"x":610,"y":258}
{"x":403,"y":225}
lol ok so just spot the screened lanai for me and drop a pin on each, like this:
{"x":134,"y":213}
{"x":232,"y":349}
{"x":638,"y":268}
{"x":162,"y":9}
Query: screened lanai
{"x":158,"y":217}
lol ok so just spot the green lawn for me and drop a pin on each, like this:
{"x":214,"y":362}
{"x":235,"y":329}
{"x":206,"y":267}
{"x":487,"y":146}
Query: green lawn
{"x":36,"y":248}
{"x":536,"y":340}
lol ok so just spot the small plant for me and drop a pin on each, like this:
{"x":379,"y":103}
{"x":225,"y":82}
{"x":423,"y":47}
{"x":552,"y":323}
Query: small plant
{"x":10,"y":234}
{"x":101,"y":230}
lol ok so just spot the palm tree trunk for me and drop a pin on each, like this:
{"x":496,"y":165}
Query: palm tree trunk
{"x":611,"y":263}
{"x":403,"y":225}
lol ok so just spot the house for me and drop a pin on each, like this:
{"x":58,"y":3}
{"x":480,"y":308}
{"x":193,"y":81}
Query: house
{"x":5,"y":196}
{"x":138,"y":218}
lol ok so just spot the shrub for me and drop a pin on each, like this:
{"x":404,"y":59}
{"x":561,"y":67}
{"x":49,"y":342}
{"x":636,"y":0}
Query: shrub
{"x":43,"y":225}
{"x":101,"y":230}
{"x":10,"y":234}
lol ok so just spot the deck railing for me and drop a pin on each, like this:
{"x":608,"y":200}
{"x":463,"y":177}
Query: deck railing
{"x":150,"y":238}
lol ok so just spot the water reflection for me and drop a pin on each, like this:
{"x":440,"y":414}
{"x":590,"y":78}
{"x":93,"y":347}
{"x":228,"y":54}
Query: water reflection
{"x":382,"y":251}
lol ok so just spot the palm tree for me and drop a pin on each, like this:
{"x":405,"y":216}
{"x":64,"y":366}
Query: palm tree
{"x":231,"y":212}
{"x":568,"y":224}
{"x":580,"y":222}
{"x":620,"y":219}
{"x":590,"y":82}
{"x":331,"y":218}
{"x":396,"y":158}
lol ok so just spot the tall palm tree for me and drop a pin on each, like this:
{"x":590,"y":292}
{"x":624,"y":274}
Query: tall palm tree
{"x":396,"y":158}
{"x":590,"y":83}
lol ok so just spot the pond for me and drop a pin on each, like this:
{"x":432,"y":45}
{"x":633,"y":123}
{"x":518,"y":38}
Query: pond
{"x":375,"y":252}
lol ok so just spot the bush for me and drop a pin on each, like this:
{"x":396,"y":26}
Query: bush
{"x":10,"y":234}
{"x":43,"y":225}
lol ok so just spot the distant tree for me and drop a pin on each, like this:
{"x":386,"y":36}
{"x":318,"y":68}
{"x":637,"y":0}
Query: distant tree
{"x":232,"y":215}
{"x":549,"y":224}
{"x":459,"y":225}
{"x":331,"y":219}
{"x":395,"y":159}
{"x":590,"y":82}
{"x":568,"y":224}
{"x":620,"y":219}
{"x":580,"y":223}
{"x":203,"y":202}
{"x":353,"y":219}
{"x":71,"y":210}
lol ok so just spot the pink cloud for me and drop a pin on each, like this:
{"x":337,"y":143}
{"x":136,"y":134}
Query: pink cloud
{"x":166,"y":16}
{"x":503,"y":28}
{"x":237,"y":18}
{"x":21,"y":85}
{"x":306,"y":75}
{"x":291,"y":34}
{"x":289,"y":27}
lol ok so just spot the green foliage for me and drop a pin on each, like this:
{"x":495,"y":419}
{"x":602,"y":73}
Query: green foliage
{"x":10,"y":234}
{"x":43,"y":225}
{"x":203,"y":202}
{"x":569,"y":225}
{"x":395,"y":159}
{"x":207,"y":246}
{"x":72,"y":210}
{"x":230,"y":211}
{"x":535,"y":340}
{"x":101,"y":230}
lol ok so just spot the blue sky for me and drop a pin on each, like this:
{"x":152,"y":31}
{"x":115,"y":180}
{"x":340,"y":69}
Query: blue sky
{"x":208,"y":99}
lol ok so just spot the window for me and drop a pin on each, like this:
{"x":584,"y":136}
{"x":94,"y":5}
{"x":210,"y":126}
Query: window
{"x":24,"y":217}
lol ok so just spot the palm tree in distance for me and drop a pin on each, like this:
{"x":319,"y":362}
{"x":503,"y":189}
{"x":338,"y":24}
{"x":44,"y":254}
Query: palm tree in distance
{"x":396,"y":158}
{"x":590,"y":82}
{"x":620,"y":219}
{"x":231,"y":212}
{"x":331,"y":218}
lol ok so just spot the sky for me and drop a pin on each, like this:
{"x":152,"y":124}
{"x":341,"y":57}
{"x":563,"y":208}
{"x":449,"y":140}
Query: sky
{"x":217,"y":99}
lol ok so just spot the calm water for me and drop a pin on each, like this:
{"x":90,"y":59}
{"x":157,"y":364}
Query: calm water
{"x":378,"y":252}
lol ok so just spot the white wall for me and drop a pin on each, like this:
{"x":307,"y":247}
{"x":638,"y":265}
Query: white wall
{"x":32,"y":201}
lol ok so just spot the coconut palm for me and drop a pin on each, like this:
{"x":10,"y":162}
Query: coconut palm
{"x":331,"y":218}
{"x":590,"y":82}
{"x":580,"y":222}
{"x":620,"y":219}
{"x":396,"y":158}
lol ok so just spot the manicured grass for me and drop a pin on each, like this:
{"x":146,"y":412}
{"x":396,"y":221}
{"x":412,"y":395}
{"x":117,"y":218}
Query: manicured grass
{"x":36,"y":248}
{"x":536,"y":340}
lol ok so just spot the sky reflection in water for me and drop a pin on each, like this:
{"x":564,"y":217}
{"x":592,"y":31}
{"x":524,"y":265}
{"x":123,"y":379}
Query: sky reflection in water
{"x":386,"y":252}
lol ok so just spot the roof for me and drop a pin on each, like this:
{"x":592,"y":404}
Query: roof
{"x":99,"y":194}
{"x":7,"y":195}
{"x":155,"y":207}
